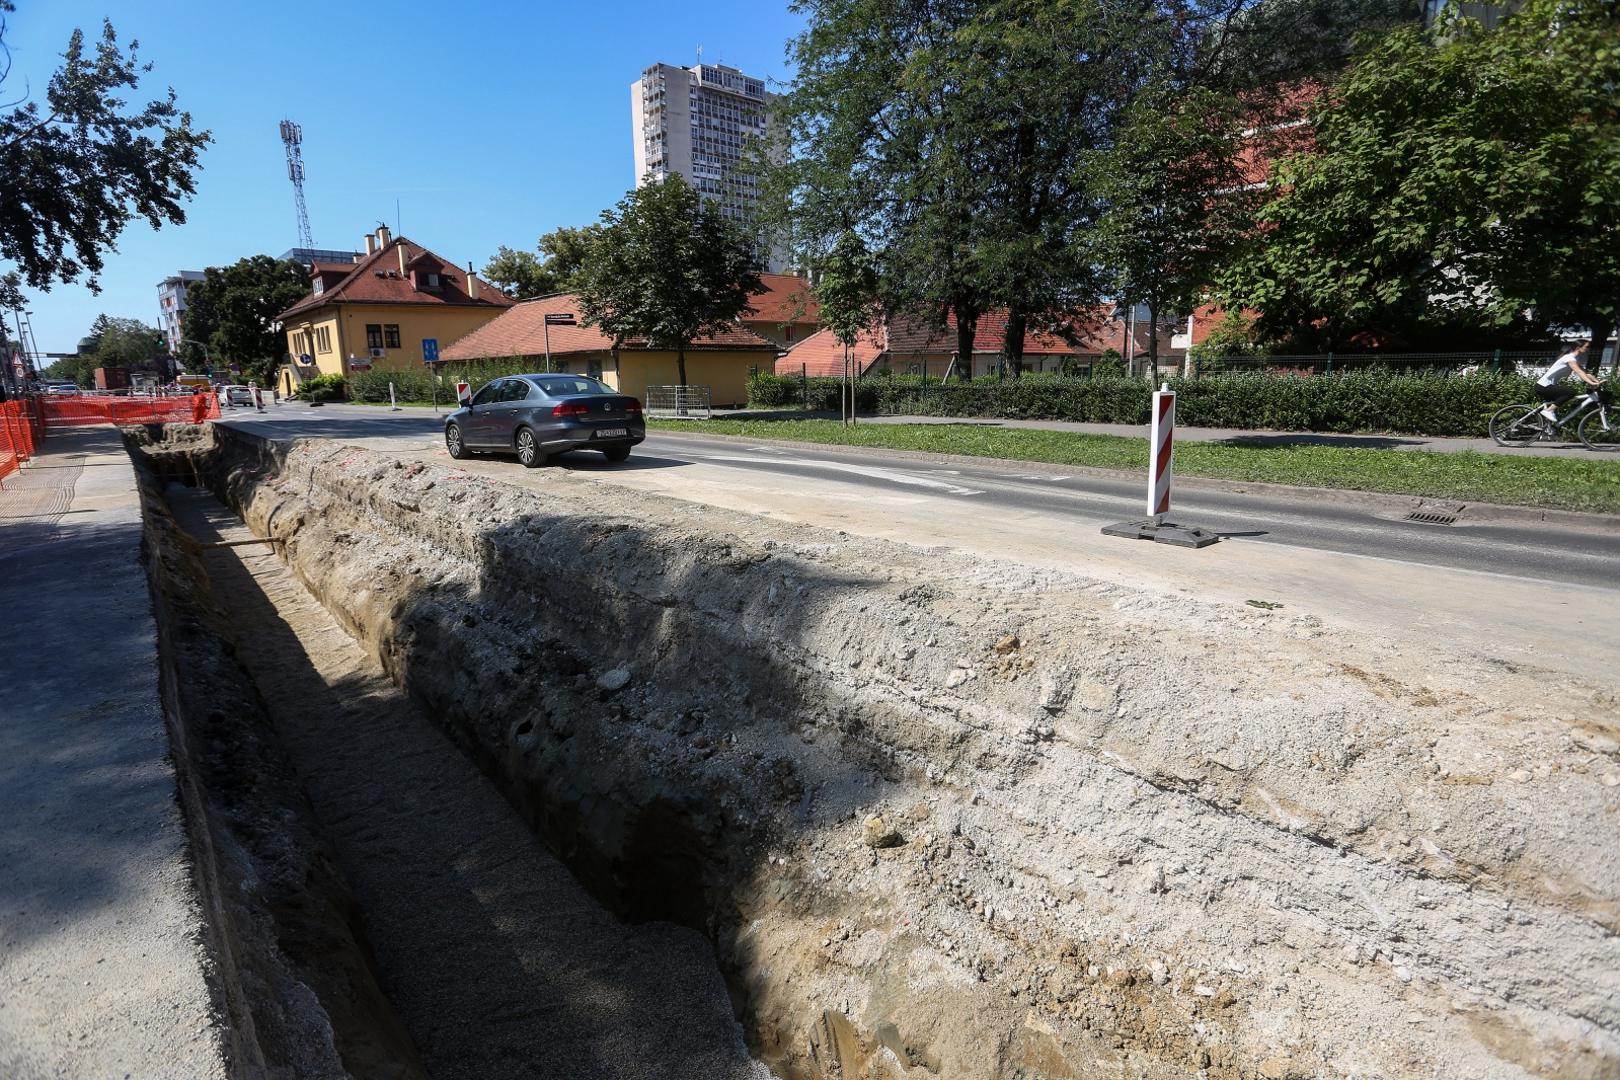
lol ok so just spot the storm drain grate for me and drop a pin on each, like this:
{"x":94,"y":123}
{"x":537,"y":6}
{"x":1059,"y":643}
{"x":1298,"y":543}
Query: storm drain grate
{"x":1429,"y":517}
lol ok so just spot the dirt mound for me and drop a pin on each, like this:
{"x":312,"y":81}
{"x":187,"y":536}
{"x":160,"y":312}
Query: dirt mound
{"x":943,"y":815}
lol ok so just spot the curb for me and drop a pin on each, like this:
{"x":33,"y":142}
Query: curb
{"x":1400,"y":505}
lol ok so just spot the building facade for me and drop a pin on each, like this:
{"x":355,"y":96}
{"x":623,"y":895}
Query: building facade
{"x":172,"y":306}
{"x":380,"y":313}
{"x":701,"y":123}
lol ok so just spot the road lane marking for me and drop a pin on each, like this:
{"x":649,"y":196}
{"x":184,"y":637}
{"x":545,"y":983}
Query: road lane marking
{"x":891,"y":475}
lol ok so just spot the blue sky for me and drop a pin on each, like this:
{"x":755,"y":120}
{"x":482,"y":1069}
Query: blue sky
{"x":491,"y":123}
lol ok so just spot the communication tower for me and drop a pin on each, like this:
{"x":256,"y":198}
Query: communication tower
{"x":291,"y":136}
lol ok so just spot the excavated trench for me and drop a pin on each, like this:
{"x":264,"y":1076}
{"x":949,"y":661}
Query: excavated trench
{"x":488,"y":780}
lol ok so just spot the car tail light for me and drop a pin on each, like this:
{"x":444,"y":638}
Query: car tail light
{"x":632,"y":406}
{"x":572,"y":408}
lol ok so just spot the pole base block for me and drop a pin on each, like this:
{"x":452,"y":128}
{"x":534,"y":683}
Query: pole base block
{"x":1162,"y":532}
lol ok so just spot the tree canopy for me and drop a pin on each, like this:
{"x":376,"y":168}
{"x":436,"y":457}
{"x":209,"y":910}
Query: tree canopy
{"x":233,"y":310}
{"x":1460,"y":179}
{"x":523,"y":274}
{"x":112,"y":343}
{"x":668,"y":265}
{"x":84,"y":164}
{"x":963,"y":141}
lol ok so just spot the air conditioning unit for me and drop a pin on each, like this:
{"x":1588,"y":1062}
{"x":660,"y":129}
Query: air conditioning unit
{"x":377,"y":353}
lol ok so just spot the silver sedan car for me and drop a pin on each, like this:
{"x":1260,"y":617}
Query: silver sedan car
{"x":536,"y":416}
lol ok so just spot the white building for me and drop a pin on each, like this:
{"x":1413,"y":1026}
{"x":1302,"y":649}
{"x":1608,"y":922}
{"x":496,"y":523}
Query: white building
{"x":701,"y":122}
{"x":172,"y":304}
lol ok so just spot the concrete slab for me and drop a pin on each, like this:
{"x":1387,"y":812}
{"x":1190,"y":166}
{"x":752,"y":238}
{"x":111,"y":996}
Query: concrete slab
{"x":101,"y":961}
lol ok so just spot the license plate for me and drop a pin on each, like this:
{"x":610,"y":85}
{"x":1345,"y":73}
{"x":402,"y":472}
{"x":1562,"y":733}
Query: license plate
{"x":612,"y":432}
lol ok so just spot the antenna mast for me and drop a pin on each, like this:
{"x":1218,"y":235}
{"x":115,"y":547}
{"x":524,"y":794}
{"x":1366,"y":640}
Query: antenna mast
{"x":291,"y":136}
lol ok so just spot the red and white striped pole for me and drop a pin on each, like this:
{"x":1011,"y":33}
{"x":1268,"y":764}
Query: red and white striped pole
{"x":1160,"y":470}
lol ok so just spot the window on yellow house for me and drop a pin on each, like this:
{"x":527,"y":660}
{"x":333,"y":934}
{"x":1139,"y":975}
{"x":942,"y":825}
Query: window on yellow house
{"x":323,"y":339}
{"x":391,"y":336}
{"x":374,"y":335}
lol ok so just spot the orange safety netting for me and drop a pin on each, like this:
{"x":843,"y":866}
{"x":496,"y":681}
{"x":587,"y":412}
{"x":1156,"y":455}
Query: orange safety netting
{"x":20,"y":434}
{"x":183,"y":409}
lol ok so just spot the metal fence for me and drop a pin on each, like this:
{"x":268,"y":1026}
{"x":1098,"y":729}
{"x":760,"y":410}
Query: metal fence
{"x":1491,"y":361}
{"x":678,"y":403}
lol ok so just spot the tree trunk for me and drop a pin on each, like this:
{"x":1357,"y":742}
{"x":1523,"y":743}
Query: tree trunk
{"x":1600,"y":341}
{"x":680,"y":362}
{"x":1012,"y":346}
{"x":967,"y":327}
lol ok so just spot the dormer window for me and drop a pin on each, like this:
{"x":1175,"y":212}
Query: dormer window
{"x":433,"y":281}
{"x":320,"y":285}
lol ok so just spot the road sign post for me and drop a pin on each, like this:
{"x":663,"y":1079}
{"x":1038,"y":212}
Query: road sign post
{"x":1161,"y":473}
{"x":430,"y":350}
{"x":555,"y":318}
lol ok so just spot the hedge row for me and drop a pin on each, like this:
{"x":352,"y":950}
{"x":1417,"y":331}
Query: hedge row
{"x":1348,"y":402}
{"x":417,"y":384}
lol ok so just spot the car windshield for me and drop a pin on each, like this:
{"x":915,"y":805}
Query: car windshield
{"x":563,"y":386}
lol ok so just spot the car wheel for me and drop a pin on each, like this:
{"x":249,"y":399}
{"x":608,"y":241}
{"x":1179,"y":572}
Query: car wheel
{"x":528,"y":450}
{"x":617,"y":453}
{"x":453,"y":441}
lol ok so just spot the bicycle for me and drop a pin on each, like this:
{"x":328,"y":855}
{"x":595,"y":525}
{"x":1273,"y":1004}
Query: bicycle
{"x":1590,"y":420}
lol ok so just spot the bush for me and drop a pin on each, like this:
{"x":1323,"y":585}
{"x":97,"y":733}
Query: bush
{"x":416,"y":384}
{"x":1369,"y":400}
{"x":321,"y":388}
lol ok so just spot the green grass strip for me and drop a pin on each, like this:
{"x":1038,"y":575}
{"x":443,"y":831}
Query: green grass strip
{"x":1586,"y":484}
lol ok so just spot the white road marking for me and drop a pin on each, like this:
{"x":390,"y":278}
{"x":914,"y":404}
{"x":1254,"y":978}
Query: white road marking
{"x":891,"y":475}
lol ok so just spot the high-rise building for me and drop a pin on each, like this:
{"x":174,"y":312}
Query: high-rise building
{"x":702,"y":122}
{"x":172,"y":305}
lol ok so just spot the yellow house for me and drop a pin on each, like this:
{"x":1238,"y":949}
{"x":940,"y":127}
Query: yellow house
{"x":721,"y":361}
{"x":382,"y":312}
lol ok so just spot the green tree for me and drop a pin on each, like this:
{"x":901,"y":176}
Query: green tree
{"x":846,"y":293}
{"x":1174,"y":201}
{"x":519,"y":274}
{"x":1460,"y":177}
{"x":80,"y":168}
{"x":667,"y":265}
{"x":523,"y":274}
{"x":234,"y":310}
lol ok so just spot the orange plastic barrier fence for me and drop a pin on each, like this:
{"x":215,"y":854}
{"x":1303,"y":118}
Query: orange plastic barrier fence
{"x":181,"y":409}
{"x":20,"y":434}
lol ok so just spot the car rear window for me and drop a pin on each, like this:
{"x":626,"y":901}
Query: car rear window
{"x":578,"y":384}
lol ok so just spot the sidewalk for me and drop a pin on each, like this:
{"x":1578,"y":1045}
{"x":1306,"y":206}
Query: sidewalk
{"x":1201,"y":434}
{"x":101,"y":962}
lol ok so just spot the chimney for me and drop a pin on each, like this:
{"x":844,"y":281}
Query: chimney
{"x":472,"y":283}
{"x":400,"y":247}
{"x":382,"y":236}
{"x":371,"y":244}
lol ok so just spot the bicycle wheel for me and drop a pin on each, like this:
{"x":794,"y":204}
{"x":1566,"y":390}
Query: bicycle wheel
{"x":1516,"y":425}
{"x":1601,"y":431}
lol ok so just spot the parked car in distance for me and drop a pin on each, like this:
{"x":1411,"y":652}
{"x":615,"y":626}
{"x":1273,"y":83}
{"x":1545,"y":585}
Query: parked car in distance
{"x":63,"y":389}
{"x":536,"y":416}
{"x":239,"y":395}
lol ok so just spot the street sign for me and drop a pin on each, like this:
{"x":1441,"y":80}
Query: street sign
{"x":305,"y":358}
{"x":561,"y":318}
{"x":430,"y":350}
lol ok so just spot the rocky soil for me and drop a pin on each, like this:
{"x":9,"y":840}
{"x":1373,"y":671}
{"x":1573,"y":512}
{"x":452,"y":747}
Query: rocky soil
{"x":948,"y":816}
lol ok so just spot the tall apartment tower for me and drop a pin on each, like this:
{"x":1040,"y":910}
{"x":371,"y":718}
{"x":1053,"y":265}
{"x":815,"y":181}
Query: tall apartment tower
{"x":700,"y":122}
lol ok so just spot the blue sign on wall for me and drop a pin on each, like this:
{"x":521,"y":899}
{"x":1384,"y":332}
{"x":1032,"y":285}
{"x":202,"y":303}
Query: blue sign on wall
{"x":430,"y":350}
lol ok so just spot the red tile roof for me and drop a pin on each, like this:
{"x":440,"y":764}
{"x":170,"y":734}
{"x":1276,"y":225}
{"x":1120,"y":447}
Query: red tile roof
{"x":823,"y":354}
{"x":376,"y":279}
{"x":521,"y":331}
{"x":786,"y":298}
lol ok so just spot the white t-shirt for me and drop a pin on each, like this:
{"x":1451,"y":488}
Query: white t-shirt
{"x":1559,"y":371}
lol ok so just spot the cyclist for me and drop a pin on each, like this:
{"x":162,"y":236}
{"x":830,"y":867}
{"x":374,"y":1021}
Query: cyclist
{"x":1550,"y":387}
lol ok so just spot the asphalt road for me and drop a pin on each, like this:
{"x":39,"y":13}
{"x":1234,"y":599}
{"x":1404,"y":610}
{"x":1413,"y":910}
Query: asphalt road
{"x":1336,"y":522}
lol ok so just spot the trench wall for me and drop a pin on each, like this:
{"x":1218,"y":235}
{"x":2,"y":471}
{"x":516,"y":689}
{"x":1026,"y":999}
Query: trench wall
{"x":944,"y":816}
